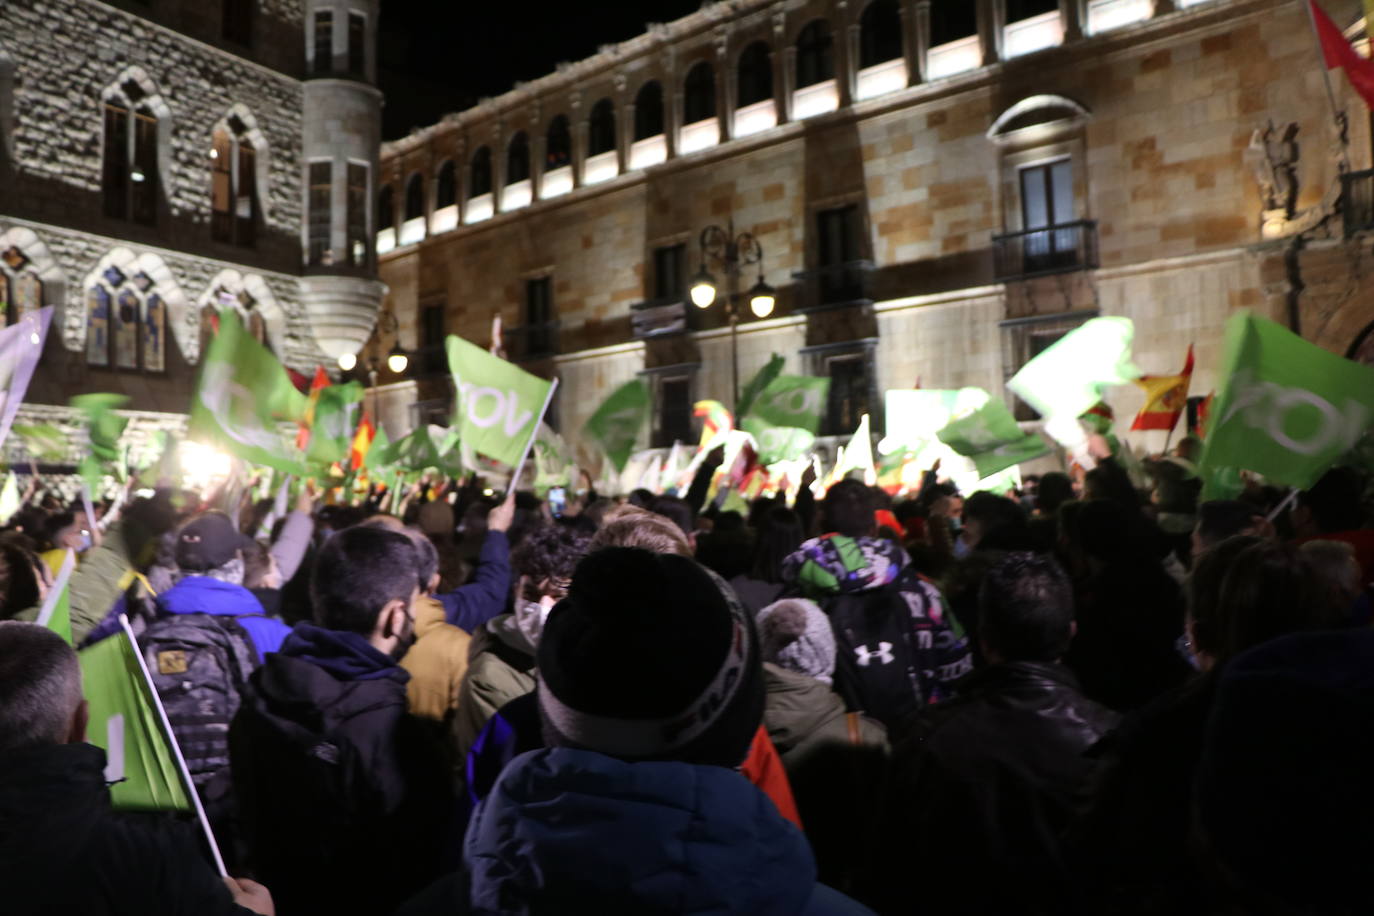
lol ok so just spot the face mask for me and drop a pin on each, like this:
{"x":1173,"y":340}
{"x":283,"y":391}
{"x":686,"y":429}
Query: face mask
{"x":530,"y":617}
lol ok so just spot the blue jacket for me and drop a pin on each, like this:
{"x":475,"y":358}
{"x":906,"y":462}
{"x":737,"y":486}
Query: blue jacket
{"x":571,"y":831}
{"x":469,"y":606}
{"x":203,"y":595}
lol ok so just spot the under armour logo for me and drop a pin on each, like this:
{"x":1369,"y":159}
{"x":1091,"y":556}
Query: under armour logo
{"x":883,"y":655}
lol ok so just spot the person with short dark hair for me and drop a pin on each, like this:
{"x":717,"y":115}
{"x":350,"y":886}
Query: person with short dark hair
{"x":778,"y":536}
{"x":1219,"y":519}
{"x":1332,"y":511}
{"x":334,"y":778}
{"x":985,"y":781}
{"x":62,"y":849}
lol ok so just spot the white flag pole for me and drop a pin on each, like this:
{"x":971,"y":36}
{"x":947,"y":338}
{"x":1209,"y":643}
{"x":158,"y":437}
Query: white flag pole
{"x":1287,"y":501}
{"x":187,"y":786}
{"x":534,"y":432}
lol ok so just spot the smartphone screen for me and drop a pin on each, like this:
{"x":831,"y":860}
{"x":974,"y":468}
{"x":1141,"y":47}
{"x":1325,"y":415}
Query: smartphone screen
{"x":558,"y":500}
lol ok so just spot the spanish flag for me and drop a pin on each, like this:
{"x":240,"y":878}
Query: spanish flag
{"x":362,"y":441}
{"x":319,"y":384}
{"x":1166,"y":397}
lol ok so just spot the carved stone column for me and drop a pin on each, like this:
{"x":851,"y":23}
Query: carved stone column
{"x":991,"y":26}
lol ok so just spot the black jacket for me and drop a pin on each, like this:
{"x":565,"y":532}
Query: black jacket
{"x":63,"y":851}
{"x":343,"y":796}
{"x":981,"y":789}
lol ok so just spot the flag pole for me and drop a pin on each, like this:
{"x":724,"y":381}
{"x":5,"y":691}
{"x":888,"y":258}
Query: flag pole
{"x":534,"y":432}
{"x":1287,"y":501}
{"x":1337,"y":115}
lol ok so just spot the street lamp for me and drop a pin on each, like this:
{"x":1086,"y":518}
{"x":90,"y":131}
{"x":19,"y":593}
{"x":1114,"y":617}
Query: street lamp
{"x":397,"y":360}
{"x":732,"y":253}
{"x":347,"y":361}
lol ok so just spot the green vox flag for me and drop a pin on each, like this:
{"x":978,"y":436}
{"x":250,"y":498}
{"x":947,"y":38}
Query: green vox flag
{"x":166,"y":469}
{"x":499,"y":404}
{"x":1285,"y":408}
{"x":778,"y":443}
{"x":758,"y":383}
{"x":785,"y":416}
{"x":376,"y":456}
{"x":336,"y":419}
{"x":1069,"y":376}
{"x":244,"y":392}
{"x":125,"y":722}
{"x":553,"y":461}
{"x":105,"y":427}
{"x":616,"y":424}
{"x":42,"y":441}
{"x":992,"y":439}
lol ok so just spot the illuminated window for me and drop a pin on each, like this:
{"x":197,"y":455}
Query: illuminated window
{"x":126,"y":322}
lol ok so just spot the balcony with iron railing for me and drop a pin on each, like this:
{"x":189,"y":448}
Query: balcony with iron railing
{"x":1357,"y":201}
{"x":834,"y":286}
{"x":1050,"y":250}
{"x":532,"y":341}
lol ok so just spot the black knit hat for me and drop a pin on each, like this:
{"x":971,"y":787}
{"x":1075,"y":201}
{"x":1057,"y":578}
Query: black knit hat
{"x":650,"y":657}
{"x":207,"y":542}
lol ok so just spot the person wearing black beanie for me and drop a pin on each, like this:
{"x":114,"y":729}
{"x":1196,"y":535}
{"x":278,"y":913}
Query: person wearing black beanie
{"x":650,"y":693}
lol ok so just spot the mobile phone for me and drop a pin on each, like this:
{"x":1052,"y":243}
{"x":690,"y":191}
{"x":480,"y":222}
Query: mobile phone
{"x":558,"y":500}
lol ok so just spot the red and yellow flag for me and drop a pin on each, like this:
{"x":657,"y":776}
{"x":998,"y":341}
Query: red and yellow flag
{"x":362,"y":442}
{"x":1203,"y":410}
{"x":1338,"y":52}
{"x":320,"y":383}
{"x":1166,"y":397}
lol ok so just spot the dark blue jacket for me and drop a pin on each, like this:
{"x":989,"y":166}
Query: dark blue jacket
{"x":203,"y":595}
{"x":570,"y":831}
{"x":469,"y":606}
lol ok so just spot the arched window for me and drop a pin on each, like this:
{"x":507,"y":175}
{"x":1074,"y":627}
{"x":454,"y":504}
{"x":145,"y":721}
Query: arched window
{"x":480,"y":181}
{"x":233,"y":296}
{"x":559,"y":144}
{"x":126,"y":322}
{"x":386,"y":209}
{"x":518,"y":158}
{"x":130,"y":167}
{"x":601,"y":138}
{"x":649,"y":111}
{"x":755,"y":74}
{"x":415,"y":198}
{"x":233,"y":184}
{"x":952,"y":20}
{"x":815,"y":54}
{"x":21,"y":290}
{"x":446,"y":186}
{"x":699,"y":94}
{"x":880,"y":33}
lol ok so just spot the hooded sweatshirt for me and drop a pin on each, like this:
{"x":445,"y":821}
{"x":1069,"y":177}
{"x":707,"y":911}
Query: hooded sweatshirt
{"x":572,"y":831}
{"x":203,"y":595}
{"x":334,"y":778}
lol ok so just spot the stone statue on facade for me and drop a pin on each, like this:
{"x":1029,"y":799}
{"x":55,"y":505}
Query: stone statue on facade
{"x":1273,"y":158}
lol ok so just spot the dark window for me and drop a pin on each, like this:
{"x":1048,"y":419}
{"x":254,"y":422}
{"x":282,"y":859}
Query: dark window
{"x":446,"y":186}
{"x":815,"y":54}
{"x":321,"y":200}
{"x":559,"y":144}
{"x":755,"y":74}
{"x":848,"y":393}
{"x":479,"y":182}
{"x":837,"y":247}
{"x":357,"y":44}
{"x":233,"y":186}
{"x":238,"y":21}
{"x":432,"y":360}
{"x":1025,"y":9}
{"x":951,"y":20}
{"x":649,"y":111}
{"x":880,"y":33}
{"x":357,"y":214}
{"x":602,"y":128}
{"x":674,"y":411}
{"x":699,"y":94}
{"x":386,"y":209}
{"x":324,"y":43}
{"x":518,"y":158}
{"x":129,"y":166}
{"x":1047,"y":202}
{"x":415,"y":198}
{"x":669,"y":280}
{"x":538,"y":316}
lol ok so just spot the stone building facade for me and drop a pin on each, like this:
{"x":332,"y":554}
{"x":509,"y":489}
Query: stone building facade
{"x":939,"y":189}
{"x":160,"y":159}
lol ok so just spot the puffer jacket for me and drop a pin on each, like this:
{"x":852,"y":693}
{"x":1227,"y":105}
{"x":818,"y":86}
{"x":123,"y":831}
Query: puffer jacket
{"x":984,"y":786}
{"x":571,"y":831}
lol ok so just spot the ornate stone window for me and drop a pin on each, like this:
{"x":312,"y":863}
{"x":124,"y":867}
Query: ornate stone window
{"x":126,"y":321}
{"x":130,"y":165}
{"x":21,"y":289}
{"x":234,"y":161}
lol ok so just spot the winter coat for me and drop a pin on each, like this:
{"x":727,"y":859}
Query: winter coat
{"x":63,"y":852}
{"x":344,"y":796}
{"x":755,"y":594}
{"x":570,"y":831}
{"x":203,"y":595}
{"x":834,"y":762}
{"x":983,"y":787}
{"x":469,"y":606}
{"x":436,"y":663}
{"x":500,"y":667}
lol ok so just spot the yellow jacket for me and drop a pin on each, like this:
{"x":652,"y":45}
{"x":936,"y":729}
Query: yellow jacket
{"x":437,"y":662}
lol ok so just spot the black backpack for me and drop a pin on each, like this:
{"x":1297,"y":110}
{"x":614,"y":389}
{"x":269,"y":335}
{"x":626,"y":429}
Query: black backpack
{"x":199,"y":664}
{"x":877,"y":670}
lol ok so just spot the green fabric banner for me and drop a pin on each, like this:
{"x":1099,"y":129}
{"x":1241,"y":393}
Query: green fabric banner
{"x":499,"y":404}
{"x":616,"y":424}
{"x":1069,"y":376}
{"x":758,"y":384}
{"x":336,"y":421}
{"x":105,"y":427}
{"x":991,"y":437}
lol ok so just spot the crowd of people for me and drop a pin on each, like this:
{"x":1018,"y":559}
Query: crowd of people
{"x":1098,"y":696}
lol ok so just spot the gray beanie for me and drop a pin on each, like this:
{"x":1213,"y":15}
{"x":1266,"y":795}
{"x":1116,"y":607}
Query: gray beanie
{"x":795,"y":634}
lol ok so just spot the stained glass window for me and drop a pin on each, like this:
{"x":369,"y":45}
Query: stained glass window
{"x":126,"y":330}
{"x":126,"y":322}
{"x":98,"y":327}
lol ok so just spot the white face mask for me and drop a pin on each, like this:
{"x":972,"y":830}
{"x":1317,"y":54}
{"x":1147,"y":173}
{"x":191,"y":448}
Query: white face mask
{"x":530,"y":617}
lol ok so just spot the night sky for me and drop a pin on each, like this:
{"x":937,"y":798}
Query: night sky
{"x":439,"y":56}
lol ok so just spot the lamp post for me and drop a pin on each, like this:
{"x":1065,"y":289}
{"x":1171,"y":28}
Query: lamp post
{"x":396,"y":359}
{"x":732,"y":253}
